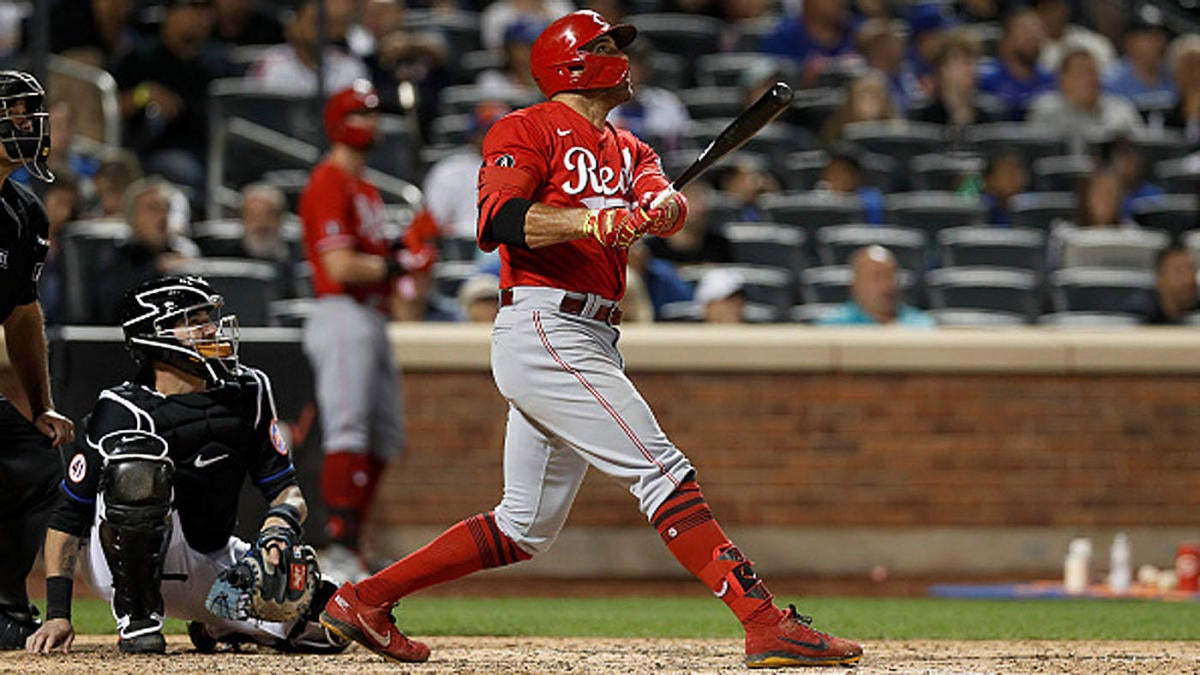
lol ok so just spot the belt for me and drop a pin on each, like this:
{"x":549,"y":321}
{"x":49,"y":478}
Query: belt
{"x":577,"y":305}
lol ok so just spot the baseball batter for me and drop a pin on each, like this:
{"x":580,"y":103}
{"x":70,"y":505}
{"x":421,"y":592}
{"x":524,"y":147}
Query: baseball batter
{"x":355,"y":271}
{"x":563,"y":194}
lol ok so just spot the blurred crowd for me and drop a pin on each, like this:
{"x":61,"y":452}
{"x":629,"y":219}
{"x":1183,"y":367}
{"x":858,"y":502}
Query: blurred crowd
{"x":922,"y":134}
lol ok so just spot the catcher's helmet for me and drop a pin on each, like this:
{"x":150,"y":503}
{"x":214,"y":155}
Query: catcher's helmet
{"x":358,"y":98}
{"x":558,"y":64}
{"x":24,"y":122}
{"x":177,"y":321}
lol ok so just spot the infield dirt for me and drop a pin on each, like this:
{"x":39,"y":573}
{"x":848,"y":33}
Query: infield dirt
{"x":489,"y":655}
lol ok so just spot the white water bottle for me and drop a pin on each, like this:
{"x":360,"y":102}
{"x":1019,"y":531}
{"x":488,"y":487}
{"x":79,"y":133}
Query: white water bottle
{"x":1120,"y":572}
{"x":1077,"y":566}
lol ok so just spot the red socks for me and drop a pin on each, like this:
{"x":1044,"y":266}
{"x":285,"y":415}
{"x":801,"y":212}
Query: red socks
{"x":348,"y":482}
{"x":469,"y":546}
{"x":696,"y":540}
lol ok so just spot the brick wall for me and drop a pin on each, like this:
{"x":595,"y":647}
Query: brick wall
{"x":805,"y":450}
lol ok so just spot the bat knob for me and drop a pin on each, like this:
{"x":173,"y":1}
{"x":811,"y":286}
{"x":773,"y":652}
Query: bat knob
{"x":780,"y":91}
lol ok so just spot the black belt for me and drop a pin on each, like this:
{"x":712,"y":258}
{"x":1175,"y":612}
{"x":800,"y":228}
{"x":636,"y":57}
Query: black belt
{"x":572,"y":304}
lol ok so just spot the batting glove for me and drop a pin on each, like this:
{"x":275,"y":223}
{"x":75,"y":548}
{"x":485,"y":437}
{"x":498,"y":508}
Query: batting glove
{"x":667,"y":211}
{"x":616,"y":228}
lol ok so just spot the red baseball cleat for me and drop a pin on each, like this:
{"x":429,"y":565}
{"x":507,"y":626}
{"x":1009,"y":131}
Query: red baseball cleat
{"x":794,"y":642}
{"x":372,"y":627}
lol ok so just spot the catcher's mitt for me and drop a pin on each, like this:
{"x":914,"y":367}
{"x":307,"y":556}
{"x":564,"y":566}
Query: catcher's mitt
{"x":256,"y":588}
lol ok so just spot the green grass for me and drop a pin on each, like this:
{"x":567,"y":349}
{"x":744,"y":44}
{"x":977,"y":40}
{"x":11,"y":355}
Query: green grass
{"x":692,"y":617}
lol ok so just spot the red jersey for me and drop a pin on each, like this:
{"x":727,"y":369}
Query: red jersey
{"x":550,"y":154}
{"x":340,"y":210}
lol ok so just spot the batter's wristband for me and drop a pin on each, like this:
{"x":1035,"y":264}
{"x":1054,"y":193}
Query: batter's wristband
{"x":58,"y":597}
{"x":394,"y":268}
{"x":288,"y":513}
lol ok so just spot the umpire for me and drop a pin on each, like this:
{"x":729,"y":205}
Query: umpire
{"x":30,"y":464}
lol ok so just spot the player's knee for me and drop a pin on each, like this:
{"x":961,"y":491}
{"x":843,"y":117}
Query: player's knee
{"x":522,"y":533}
{"x":136,"y":479}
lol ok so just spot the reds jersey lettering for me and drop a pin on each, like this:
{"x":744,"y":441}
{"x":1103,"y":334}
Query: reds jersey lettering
{"x":550,"y":154}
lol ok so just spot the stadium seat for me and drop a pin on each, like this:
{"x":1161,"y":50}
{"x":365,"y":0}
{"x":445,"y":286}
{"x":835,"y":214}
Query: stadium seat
{"x":1125,"y":248}
{"x":722,"y":208}
{"x":472,"y":64}
{"x":1018,"y":248}
{"x":459,"y":249}
{"x":1104,"y":320}
{"x":1173,"y":214}
{"x":706,"y":103}
{"x":218,"y":238}
{"x":688,"y":35}
{"x":813,"y":313}
{"x":459,"y":27}
{"x":1038,"y":210}
{"x":293,"y":115}
{"x":899,"y":139}
{"x":767,"y":245}
{"x":248,"y":285}
{"x":82,"y":245}
{"x":1192,"y":241}
{"x":449,"y":275}
{"x":811,"y":107}
{"x":1158,"y":145}
{"x":450,"y":130}
{"x":1061,"y":174}
{"x":932,"y":210}
{"x":726,"y":69}
{"x":394,"y":152}
{"x":836,"y":243}
{"x":669,"y":71}
{"x":461,"y":99}
{"x":830,"y":284}
{"x":944,"y":171}
{"x":813,"y":210}
{"x":681,"y":311}
{"x":289,"y":313}
{"x":802,"y":170}
{"x":1095,"y":289}
{"x":984,"y":288}
{"x":977,"y":318}
{"x":1179,"y":176}
{"x":1030,"y":141}
{"x":749,"y":33}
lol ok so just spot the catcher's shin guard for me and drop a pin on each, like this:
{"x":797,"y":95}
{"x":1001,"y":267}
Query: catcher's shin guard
{"x":135,"y":529}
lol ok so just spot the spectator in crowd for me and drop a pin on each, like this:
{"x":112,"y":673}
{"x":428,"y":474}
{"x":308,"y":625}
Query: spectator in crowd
{"x":479,"y":298}
{"x":150,"y":251}
{"x":865,"y":10}
{"x":615,"y":11}
{"x":1063,"y":36}
{"x":292,"y":67}
{"x":745,"y":178}
{"x":876,"y":294}
{"x":843,"y":175}
{"x":1004,"y":177}
{"x":823,"y":31}
{"x":955,"y":99}
{"x":654,"y":114}
{"x":514,"y":82}
{"x":700,"y":240}
{"x":1142,"y":71}
{"x":450,"y":210}
{"x":263,"y":206}
{"x":1098,"y":200}
{"x":977,"y":11}
{"x":868,"y":99}
{"x":1015,"y":76}
{"x":1174,"y":296}
{"x":63,"y":153}
{"x":1183,"y":59}
{"x":928,"y":24}
{"x":721,"y":296}
{"x":95,"y":32}
{"x":881,"y":43}
{"x":113,"y":177}
{"x":1081,"y":108}
{"x":63,"y":201}
{"x":495,"y":19}
{"x":1124,"y":156}
{"x":164,"y":93}
{"x":239,"y":23}
{"x":662,"y":282}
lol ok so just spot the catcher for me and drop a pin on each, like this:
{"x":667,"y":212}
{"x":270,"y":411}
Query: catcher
{"x":156,"y":482}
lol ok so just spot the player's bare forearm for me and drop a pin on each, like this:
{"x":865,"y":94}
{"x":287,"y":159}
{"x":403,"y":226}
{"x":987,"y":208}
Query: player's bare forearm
{"x":352,"y":268}
{"x":548,"y":225}
{"x":62,"y":552}
{"x":292,"y":496}
{"x":25,"y":341}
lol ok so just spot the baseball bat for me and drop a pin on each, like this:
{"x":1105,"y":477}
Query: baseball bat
{"x":760,"y":113}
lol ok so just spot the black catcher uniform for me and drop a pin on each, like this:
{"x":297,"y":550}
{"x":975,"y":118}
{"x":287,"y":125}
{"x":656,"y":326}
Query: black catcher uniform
{"x":29,"y":467}
{"x":155,"y":479}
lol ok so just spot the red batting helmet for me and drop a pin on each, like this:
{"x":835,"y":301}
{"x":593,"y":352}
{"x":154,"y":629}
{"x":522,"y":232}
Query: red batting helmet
{"x":558,"y":65}
{"x":359,"y":97}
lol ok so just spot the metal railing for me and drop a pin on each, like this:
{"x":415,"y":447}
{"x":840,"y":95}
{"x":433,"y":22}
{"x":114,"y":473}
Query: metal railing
{"x":106,"y":88}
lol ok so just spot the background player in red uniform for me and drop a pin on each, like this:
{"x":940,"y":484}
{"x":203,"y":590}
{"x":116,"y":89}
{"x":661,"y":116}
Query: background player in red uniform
{"x":564,"y":194}
{"x":356,"y":270}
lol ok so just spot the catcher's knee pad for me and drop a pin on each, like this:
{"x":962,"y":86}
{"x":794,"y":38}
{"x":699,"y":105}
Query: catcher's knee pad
{"x":136,"y":482}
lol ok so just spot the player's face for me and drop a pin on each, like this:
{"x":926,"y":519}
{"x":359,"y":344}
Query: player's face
{"x":606,"y":46}
{"x":200,"y":331}
{"x":15,"y":113}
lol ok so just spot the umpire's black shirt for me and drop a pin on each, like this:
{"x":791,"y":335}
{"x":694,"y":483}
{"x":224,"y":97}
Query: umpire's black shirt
{"x":24,"y":241}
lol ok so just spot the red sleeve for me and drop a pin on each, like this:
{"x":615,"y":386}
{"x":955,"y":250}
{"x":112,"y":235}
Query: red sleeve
{"x":648,"y":173}
{"x":515,"y":163}
{"x":325,"y":210}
